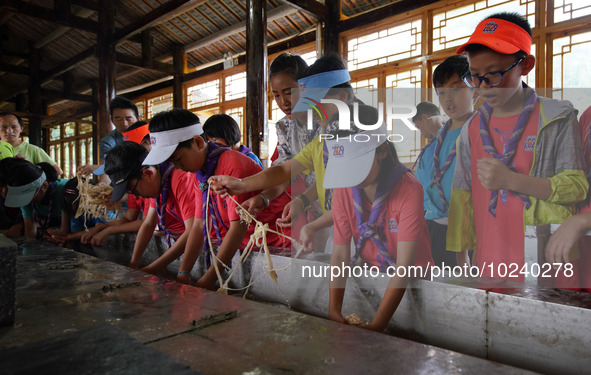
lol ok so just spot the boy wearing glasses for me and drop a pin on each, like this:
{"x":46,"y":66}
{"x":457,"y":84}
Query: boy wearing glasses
{"x":172,"y":207}
{"x":519,"y":162}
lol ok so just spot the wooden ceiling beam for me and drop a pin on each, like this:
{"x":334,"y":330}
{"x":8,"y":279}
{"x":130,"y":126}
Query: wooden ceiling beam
{"x":217,"y":66}
{"x":279,"y":12}
{"x":16,"y":69}
{"x":166,"y":11}
{"x":69,"y":64}
{"x":382,"y":13}
{"x":47,"y":14}
{"x":141,"y":63}
{"x":87,"y":4}
{"x":57,"y":94}
{"x":313,"y":7}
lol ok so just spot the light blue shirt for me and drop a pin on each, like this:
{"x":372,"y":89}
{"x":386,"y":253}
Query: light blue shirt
{"x":433,"y":204}
{"x":424,"y":172}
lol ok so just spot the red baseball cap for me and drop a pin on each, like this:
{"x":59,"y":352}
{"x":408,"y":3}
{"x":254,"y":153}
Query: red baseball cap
{"x":136,"y":135}
{"x":501,"y":36}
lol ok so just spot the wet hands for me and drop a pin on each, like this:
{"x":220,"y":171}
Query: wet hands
{"x":564,"y":240}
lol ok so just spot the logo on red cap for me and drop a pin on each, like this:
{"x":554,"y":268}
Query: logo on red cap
{"x":490,"y":27}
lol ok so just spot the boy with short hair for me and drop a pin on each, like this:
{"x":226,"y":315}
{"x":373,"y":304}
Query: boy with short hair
{"x":176,"y":136}
{"x":172,"y":205}
{"x":520,"y":161}
{"x":427,"y":119}
{"x":438,"y":161}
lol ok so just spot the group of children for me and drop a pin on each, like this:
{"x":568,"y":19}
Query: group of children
{"x":518,"y":160}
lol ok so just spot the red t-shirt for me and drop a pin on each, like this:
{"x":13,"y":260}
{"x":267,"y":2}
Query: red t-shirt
{"x":235,"y":164}
{"x":180,"y":204}
{"x":405,"y":221}
{"x":501,"y":239}
{"x":139,"y":203}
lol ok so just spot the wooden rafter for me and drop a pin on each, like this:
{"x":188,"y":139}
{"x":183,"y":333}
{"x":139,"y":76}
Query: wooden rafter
{"x":313,"y":7}
{"x":47,"y":14}
{"x":217,"y":14}
{"x":282,"y":11}
{"x":10,"y":68}
{"x":166,"y":11}
{"x":382,"y":13}
{"x":230,"y":11}
{"x":141,"y":63}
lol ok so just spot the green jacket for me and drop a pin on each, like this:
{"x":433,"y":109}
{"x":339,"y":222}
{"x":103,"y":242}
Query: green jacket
{"x":558,"y":156}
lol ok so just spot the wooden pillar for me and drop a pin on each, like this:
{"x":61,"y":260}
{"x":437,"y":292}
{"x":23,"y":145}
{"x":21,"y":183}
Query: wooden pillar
{"x":180,"y":68}
{"x":35,"y":104}
{"x":95,"y":111}
{"x":256,"y":73}
{"x":331,"y":26}
{"x":20,"y":104}
{"x":147,"y":48}
{"x":106,"y":59}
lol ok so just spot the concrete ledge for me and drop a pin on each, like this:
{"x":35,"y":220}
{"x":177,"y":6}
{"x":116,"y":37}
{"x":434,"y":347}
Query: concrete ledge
{"x":535,"y":328}
{"x":63,"y":294}
{"x":8,"y":254}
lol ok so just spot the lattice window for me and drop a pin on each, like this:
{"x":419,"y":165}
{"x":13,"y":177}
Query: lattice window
{"x":235,"y":86}
{"x":55,"y":133}
{"x":276,"y":114}
{"x":453,"y":27}
{"x":403,"y":89}
{"x":54,"y":152}
{"x":159,"y":104}
{"x":67,"y":163}
{"x":565,"y":10}
{"x":69,"y":129}
{"x":309,"y":57}
{"x":89,"y":147}
{"x":367,"y":91}
{"x":203,"y":94}
{"x":238,"y":115}
{"x":140,"y":108}
{"x":572,"y":70}
{"x":85,"y":128}
{"x":83,"y":152}
{"x":395,"y":43}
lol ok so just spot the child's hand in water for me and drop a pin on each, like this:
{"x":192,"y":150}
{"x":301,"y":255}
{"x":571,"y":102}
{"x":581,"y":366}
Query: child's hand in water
{"x":227,"y":185}
{"x":562,"y":242}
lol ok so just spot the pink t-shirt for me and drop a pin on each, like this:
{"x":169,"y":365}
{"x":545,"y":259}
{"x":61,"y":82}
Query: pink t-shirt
{"x":585,"y":242}
{"x":405,"y":221}
{"x":501,"y":239}
{"x":584,"y":126}
{"x":235,"y":164}
{"x":180,"y":204}
{"x":585,"y":259}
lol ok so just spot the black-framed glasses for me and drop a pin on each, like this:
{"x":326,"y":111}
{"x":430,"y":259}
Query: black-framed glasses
{"x":139,"y":177}
{"x":492,"y":79}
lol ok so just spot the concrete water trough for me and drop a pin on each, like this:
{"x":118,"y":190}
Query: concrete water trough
{"x":60,"y":291}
